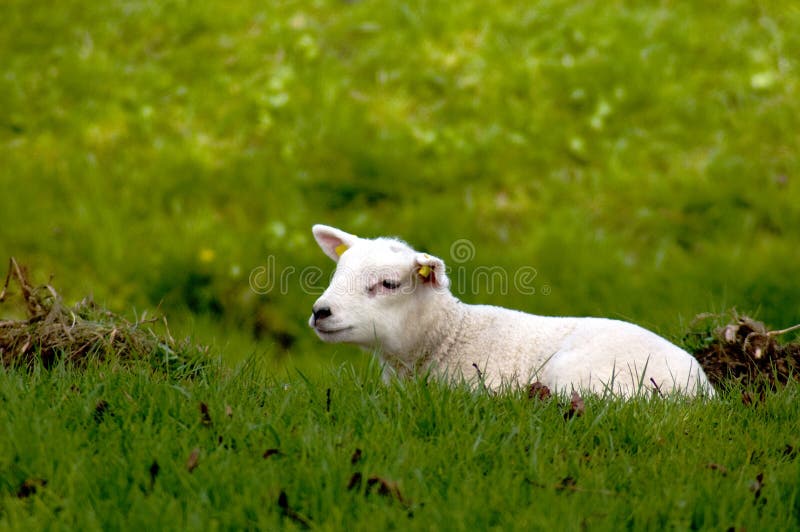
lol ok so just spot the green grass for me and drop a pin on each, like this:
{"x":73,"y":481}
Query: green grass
{"x":642,"y":157}
{"x":460,"y":460}
{"x":157,"y":152}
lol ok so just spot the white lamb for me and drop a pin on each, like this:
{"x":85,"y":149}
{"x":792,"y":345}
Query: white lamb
{"x":388,"y":297}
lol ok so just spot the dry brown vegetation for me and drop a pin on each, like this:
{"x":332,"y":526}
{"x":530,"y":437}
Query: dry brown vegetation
{"x":739,"y":348}
{"x":52,"y":331}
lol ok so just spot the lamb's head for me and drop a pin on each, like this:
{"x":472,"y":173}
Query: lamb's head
{"x":381,"y":291}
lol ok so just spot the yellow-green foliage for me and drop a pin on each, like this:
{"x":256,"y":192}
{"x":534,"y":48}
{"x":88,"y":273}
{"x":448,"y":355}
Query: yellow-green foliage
{"x":642,"y":157}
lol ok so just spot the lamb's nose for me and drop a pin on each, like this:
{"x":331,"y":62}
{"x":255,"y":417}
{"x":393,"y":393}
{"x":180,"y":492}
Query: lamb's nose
{"x":321,"y":313}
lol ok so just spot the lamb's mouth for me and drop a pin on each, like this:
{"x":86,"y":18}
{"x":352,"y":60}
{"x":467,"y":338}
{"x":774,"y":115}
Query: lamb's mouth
{"x":332,"y":331}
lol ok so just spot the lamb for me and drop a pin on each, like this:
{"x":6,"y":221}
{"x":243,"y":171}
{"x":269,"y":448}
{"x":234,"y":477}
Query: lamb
{"x":387,"y":297}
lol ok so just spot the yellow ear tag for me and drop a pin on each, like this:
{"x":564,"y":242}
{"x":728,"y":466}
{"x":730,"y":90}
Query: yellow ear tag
{"x":341,"y":248}
{"x":424,"y":271}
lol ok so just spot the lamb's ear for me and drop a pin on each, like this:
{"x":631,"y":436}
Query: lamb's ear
{"x":431,"y":270}
{"x":333,"y":241}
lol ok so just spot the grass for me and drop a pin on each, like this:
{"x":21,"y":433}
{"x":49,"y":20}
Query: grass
{"x":157,"y":153}
{"x":287,"y":451}
{"x":642,"y":158}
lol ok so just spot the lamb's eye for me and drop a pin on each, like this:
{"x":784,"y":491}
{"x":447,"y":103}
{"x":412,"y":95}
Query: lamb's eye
{"x":390,"y":285}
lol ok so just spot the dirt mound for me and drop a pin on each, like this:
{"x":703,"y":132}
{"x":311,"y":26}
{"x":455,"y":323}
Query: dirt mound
{"x":53,"y":331}
{"x":739,"y":348}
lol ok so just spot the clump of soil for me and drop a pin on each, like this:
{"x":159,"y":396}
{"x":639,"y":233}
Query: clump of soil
{"x":52,"y":331}
{"x":743,"y":350}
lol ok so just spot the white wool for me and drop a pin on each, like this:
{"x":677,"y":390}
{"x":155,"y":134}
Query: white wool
{"x":387,"y":297}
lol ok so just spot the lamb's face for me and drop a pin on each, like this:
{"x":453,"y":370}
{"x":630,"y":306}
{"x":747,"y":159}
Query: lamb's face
{"x":377,"y":291}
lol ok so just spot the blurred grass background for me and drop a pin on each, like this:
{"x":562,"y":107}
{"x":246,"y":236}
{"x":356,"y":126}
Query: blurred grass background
{"x":642,"y":157}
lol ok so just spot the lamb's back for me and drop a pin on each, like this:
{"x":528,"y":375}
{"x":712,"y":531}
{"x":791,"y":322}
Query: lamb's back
{"x":563,"y":352}
{"x":507,"y":344}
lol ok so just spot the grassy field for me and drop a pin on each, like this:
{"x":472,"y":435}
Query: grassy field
{"x":116,"y":447}
{"x":158,"y":152}
{"x":642,"y":158}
